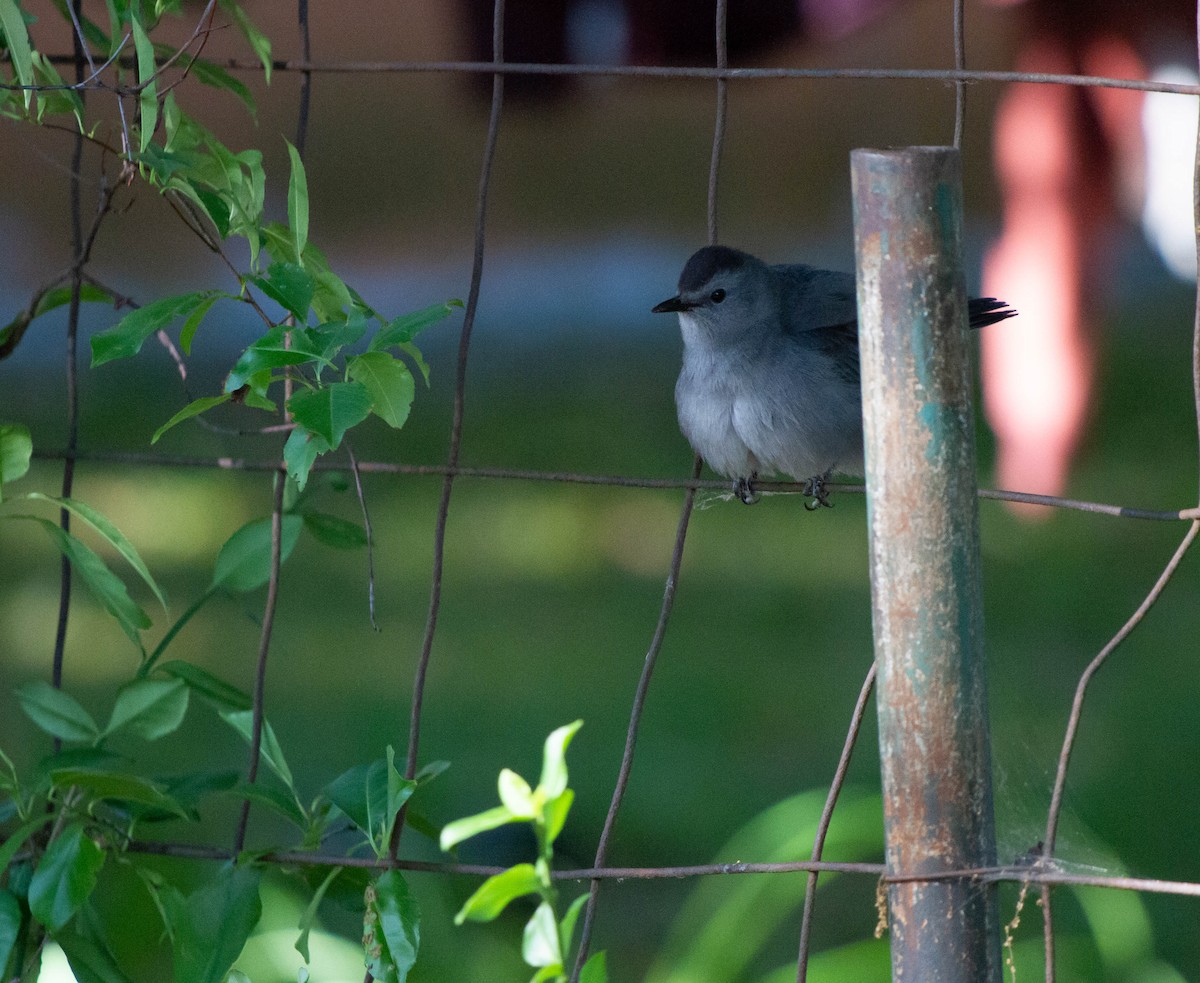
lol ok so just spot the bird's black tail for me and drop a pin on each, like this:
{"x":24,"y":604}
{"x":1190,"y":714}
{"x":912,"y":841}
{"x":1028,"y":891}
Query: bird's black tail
{"x":982,"y":311}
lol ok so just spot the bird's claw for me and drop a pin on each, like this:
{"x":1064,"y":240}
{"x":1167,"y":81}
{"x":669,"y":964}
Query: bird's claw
{"x":815,"y":486}
{"x":743,"y":488}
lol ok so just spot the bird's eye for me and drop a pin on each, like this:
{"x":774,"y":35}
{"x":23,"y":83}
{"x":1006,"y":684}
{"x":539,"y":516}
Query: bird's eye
{"x":717,"y":296}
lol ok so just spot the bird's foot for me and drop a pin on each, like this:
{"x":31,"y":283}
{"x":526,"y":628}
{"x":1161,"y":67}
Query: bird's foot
{"x":743,"y":488}
{"x":815,"y":486}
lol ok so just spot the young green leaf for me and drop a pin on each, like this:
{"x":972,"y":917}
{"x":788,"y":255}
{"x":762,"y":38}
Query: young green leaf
{"x":516,"y":794}
{"x":117,"y":786}
{"x":65,"y":877}
{"x":126,"y":337}
{"x":105,"y":585}
{"x":399,"y":922}
{"x":149,"y":708}
{"x":463,"y":829}
{"x":278,"y":347}
{"x":300,"y":452}
{"x":148,"y":97}
{"x":211,"y":74}
{"x":595,"y":970}
{"x":334,"y":531}
{"x":554,"y":761}
{"x":258,"y":41}
{"x":331,"y":410}
{"x":111,"y":533}
{"x":57,"y":713}
{"x":16,"y":449}
{"x":540,"y":945}
{"x":406,"y":327}
{"x":244,"y":562}
{"x":297,"y":201}
{"x":221,"y":694}
{"x":61,"y":296}
{"x":90,"y":962}
{"x":289,"y":286}
{"x":16,"y":38}
{"x":494,"y":894}
{"x":243,"y":721}
{"x":274,"y":799}
{"x":570,"y":918}
{"x":194,"y":408}
{"x":10,"y":925}
{"x":188,"y":331}
{"x":308,"y":919}
{"x":554,"y":813}
{"x":210,"y":927}
{"x":389,"y":383}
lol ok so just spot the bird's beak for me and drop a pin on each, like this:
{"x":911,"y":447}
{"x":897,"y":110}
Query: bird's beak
{"x":671,"y":305}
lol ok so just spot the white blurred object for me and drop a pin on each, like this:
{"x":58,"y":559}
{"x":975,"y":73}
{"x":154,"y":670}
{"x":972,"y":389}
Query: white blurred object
{"x":1169,"y":131}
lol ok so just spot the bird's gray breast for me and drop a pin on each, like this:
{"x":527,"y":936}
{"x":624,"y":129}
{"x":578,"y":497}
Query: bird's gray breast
{"x":707,"y":396}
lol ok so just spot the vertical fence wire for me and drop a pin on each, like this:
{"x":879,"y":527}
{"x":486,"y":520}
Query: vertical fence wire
{"x":456,"y":425}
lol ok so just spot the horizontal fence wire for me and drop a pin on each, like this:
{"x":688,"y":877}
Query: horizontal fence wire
{"x":1042,"y":869}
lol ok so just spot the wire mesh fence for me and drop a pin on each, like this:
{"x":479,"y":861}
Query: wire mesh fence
{"x":1038,"y":869}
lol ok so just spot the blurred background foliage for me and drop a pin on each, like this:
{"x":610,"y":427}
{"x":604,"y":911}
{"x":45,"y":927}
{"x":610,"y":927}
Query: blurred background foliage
{"x":551,"y":590}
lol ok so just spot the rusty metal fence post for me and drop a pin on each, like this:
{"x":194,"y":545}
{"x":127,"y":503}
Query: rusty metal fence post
{"x":924,"y":551}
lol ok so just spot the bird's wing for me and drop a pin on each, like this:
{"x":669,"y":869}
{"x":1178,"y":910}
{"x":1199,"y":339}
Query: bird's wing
{"x":813,"y":298}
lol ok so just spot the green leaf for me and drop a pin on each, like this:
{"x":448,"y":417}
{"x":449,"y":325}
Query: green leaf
{"x":389,"y":383}
{"x":554,"y":761}
{"x":16,"y":449}
{"x":218,"y":692}
{"x":149,"y":708}
{"x":148,"y":97}
{"x":273,"y":350}
{"x":406,"y":327}
{"x":56,"y":712}
{"x":105,"y":585}
{"x":10,"y":925}
{"x":188,"y":332}
{"x":571,"y":917}
{"x":210,"y":74}
{"x":540,"y":945}
{"x":244,"y":562}
{"x":516,"y":794}
{"x":308,"y":919}
{"x":334,"y":531}
{"x":463,"y":829}
{"x":210,"y":927}
{"x":243,"y":722}
{"x":117,"y":786}
{"x":16,"y":37}
{"x":370,"y":795}
{"x":274,"y":799}
{"x":494,"y":894}
{"x":17,"y":839}
{"x":595,"y":970}
{"x":90,"y":962}
{"x":55,"y":101}
{"x":127,"y":336}
{"x":65,"y":877}
{"x":61,"y":296}
{"x":114,"y":536}
{"x":194,"y":408}
{"x":300,"y":452}
{"x":399,"y":922}
{"x":331,"y":410}
{"x":289,"y":286}
{"x":297,"y":201}
{"x":554,"y":813}
{"x":258,"y":41}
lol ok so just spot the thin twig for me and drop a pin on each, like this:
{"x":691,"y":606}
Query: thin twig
{"x":835,"y":789}
{"x":264,"y":646}
{"x":456,"y":425}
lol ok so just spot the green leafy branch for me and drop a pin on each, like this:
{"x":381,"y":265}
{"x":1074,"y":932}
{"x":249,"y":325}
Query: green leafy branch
{"x":548,"y":938}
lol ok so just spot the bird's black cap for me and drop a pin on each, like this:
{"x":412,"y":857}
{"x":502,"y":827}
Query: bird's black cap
{"x":706,"y":263}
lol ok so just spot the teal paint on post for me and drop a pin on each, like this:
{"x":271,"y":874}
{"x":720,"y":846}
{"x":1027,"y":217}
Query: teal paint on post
{"x":925,"y":583}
